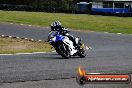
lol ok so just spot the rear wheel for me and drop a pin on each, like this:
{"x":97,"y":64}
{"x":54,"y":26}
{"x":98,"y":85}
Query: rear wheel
{"x":82,"y":53}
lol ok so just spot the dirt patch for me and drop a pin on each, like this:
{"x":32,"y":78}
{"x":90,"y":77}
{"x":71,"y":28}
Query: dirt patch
{"x":9,"y":45}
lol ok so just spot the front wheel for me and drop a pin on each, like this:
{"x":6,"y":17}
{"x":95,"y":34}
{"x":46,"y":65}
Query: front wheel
{"x":64,"y":51}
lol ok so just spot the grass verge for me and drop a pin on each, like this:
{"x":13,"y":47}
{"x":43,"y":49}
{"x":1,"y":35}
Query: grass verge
{"x":76,"y":21}
{"x":11,"y":46}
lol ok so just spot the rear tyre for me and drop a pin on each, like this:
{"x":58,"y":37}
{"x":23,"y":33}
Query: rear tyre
{"x":82,"y":53}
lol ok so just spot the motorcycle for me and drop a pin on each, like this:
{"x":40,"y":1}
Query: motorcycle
{"x":64,"y":46}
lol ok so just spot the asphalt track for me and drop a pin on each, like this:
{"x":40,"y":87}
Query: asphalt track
{"x":111,"y":53}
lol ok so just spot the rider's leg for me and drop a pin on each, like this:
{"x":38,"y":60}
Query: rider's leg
{"x":73,"y":39}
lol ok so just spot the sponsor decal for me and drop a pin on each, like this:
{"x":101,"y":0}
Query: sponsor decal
{"x":86,"y":78}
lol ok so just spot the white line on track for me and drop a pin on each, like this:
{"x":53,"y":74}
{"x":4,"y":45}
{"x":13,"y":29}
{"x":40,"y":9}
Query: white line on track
{"x":25,"y":38}
{"x":40,"y":40}
{"x":2,"y":35}
{"x":32,"y":39}
{"x":48,"y":27}
{"x":5,"y":54}
{"x":10,"y":36}
{"x":38,"y":52}
{"x":29,"y":25}
{"x":17,"y":37}
{"x":21,"y":24}
{"x":106,"y":32}
{"x":53,"y":51}
{"x":119,"y":33}
{"x":21,"y":53}
{"x":25,"y":53}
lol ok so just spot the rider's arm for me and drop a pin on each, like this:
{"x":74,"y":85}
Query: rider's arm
{"x":65,"y":30}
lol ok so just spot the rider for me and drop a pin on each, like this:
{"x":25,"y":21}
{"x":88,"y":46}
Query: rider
{"x":56,"y":26}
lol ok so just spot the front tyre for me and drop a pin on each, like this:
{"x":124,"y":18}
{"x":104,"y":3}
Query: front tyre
{"x":64,"y":51}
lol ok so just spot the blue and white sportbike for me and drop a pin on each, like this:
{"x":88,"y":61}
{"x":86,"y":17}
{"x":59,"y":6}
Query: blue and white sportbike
{"x":64,"y":46}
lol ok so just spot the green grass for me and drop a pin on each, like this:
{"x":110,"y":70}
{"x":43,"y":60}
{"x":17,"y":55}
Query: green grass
{"x":8,"y":45}
{"x":76,"y":21}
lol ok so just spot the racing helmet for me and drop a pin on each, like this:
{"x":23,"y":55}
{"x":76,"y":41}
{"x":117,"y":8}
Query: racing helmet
{"x":55,"y":25}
